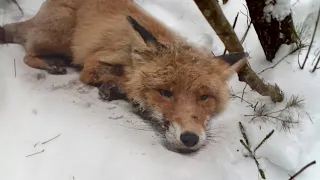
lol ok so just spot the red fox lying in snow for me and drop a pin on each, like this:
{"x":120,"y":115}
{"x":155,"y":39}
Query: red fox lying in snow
{"x":132,"y":56}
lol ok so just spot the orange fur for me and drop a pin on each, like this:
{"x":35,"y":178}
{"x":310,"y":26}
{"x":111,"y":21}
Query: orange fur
{"x":97,"y":35}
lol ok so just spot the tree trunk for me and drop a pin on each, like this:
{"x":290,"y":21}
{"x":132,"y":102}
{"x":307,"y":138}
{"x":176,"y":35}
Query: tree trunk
{"x":214,"y":15}
{"x":271,"y":32}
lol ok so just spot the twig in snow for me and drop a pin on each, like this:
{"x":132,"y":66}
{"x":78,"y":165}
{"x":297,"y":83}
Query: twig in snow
{"x":316,"y":66}
{"x":35,"y":153}
{"x":316,"y":54}
{"x":233,"y":95}
{"x":264,"y":140}
{"x":284,"y":116}
{"x":252,"y":153}
{"x":253,"y":106}
{"x":15,"y":67}
{"x":301,"y":170}
{"x":36,"y":144}
{"x":295,"y":3}
{"x":17,"y":4}
{"x":244,"y":135}
{"x":234,"y":25}
{"x":312,"y":39}
{"x":51,"y":139}
{"x":243,"y":92}
{"x":309,"y":117}
{"x":301,"y":46}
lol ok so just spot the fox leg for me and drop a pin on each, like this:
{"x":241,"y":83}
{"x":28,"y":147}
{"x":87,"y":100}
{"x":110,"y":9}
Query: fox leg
{"x":46,"y":37}
{"x":90,"y":73}
{"x":39,"y":63}
{"x":112,"y":81}
{"x":110,"y":91}
{"x":106,"y":77}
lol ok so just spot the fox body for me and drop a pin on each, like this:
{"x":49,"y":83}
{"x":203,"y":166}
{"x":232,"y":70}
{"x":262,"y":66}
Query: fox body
{"x":133,"y":56}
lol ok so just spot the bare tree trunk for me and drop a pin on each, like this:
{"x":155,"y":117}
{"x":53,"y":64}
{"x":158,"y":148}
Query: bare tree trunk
{"x":214,"y":15}
{"x":271,"y":32}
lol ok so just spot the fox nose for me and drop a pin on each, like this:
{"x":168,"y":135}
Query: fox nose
{"x":189,"y":139}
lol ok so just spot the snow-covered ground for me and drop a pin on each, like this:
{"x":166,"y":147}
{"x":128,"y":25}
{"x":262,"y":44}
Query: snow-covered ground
{"x":98,"y":140}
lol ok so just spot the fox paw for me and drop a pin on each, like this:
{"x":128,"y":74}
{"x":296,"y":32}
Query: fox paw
{"x":110,"y":91}
{"x":55,"y":70}
{"x":138,"y":110}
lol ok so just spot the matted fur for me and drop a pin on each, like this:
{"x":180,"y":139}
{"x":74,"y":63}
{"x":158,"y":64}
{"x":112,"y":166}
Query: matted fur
{"x":101,"y":36}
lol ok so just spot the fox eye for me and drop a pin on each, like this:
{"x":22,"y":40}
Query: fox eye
{"x":204,"y":97}
{"x":165,"y":93}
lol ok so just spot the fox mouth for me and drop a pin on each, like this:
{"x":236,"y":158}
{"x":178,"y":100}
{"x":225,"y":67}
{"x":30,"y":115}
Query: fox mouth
{"x":168,"y":132}
{"x":187,"y":151}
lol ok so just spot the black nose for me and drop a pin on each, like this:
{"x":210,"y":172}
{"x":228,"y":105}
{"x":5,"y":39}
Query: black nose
{"x":189,"y":139}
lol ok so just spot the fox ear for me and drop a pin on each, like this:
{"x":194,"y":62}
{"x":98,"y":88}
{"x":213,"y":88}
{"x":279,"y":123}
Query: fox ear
{"x":146,"y":35}
{"x":232,"y":63}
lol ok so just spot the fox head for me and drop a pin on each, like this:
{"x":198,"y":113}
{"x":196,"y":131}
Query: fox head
{"x":180,"y":85}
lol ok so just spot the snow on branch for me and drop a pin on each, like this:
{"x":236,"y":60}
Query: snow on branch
{"x":277,"y":9}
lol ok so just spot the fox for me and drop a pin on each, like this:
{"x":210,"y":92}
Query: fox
{"x":130,"y":55}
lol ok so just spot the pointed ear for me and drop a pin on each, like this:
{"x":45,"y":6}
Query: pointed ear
{"x":232,"y":62}
{"x":146,"y":35}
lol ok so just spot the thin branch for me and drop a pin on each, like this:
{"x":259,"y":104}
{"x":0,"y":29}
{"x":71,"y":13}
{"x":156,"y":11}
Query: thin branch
{"x":313,"y":35}
{"x":290,"y":53}
{"x":35,"y":153}
{"x":235,"y":21}
{"x":309,"y":117}
{"x":264,"y":140}
{"x":51,"y":139}
{"x":316,"y":66}
{"x":252,"y":154}
{"x":316,"y":54}
{"x":35,"y":144}
{"x":234,"y":25}
{"x":295,"y":3}
{"x":249,"y":23}
{"x":283,"y":116}
{"x":235,"y":96}
{"x":248,"y":14}
{"x":246,"y":33}
{"x":17,"y":4}
{"x":243,"y":92}
{"x":304,"y":168}
{"x":243,"y":132}
{"x":15,"y":68}
{"x":245,"y":146}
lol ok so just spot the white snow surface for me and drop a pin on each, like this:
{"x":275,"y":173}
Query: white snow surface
{"x":105,"y":140}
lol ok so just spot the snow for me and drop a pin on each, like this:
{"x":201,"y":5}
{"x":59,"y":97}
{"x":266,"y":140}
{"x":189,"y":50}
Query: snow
{"x":100,"y":140}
